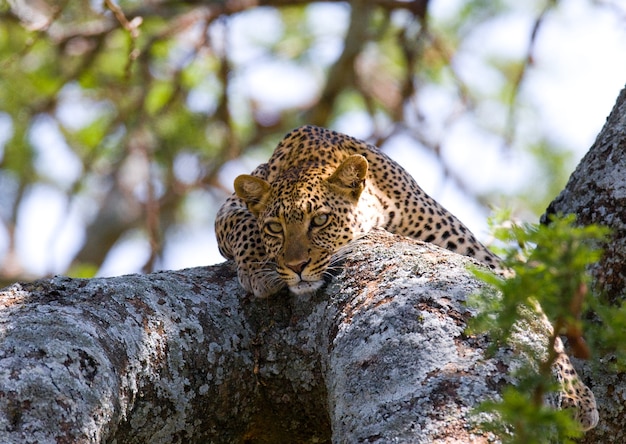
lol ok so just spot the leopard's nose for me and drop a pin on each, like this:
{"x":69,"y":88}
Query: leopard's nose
{"x":297,"y":267}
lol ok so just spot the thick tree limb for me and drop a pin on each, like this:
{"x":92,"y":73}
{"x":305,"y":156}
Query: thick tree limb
{"x":134,"y":358}
{"x":185,"y":356}
{"x":596,"y":193}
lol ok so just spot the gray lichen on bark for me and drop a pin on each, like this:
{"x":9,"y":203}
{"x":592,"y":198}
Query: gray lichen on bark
{"x":596,"y":194}
{"x":185,"y":356}
{"x":94,"y":360}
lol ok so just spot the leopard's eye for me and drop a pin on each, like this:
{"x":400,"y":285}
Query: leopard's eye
{"x":274,"y":227}
{"x":319,"y":220}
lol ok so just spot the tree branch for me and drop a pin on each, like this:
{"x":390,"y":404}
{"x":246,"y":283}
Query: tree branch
{"x":185,"y":356}
{"x":342,"y":73}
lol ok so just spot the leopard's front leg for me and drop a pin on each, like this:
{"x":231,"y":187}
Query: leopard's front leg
{"x":238,"y":238}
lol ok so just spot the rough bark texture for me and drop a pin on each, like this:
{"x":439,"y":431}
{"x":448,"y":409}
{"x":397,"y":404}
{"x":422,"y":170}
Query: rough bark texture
{"x":596,"y":193}
{"x":379,"y":355}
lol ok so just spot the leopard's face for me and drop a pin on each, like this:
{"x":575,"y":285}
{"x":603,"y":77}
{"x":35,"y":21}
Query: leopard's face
{"x":303,"y":225}
{"x":305,"y":215}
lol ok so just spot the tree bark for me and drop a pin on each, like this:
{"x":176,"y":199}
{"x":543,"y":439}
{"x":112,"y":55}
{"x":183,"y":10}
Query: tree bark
{"x":379,"y":355}
{"x":596,"y":193}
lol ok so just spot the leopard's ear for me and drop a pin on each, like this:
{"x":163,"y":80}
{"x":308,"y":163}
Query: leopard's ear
{"x":254,"y":191}
{"x":349,"y":177}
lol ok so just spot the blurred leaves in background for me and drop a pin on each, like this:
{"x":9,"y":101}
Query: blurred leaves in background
{"x":119,"y":121}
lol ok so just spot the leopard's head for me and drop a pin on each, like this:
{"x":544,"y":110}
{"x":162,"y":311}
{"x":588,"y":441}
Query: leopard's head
{"x":305,"y":215}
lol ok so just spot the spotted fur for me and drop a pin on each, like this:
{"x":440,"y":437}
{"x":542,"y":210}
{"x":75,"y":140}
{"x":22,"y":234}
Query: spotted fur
{"x":315,"y":172}
{"x":574,"y":394}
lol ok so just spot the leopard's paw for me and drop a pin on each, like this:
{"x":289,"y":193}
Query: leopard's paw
{"x":262,"y":283}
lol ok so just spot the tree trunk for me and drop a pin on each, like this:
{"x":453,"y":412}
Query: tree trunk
{"x":596,"y":193}
{"x":184,"y":356}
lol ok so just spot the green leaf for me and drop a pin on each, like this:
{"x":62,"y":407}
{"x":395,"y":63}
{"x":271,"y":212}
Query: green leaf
{"x":158,"y":96}
{"x":82,"y":271}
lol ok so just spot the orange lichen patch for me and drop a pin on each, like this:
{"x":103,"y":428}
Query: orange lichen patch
{"x":370,"y":282}
{"x":13,"y":296}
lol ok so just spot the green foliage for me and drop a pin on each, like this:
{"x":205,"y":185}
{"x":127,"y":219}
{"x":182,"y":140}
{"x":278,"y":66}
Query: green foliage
{"x":83,"y":271}
{"x":521,"y":421}
{"x":550,"y":267}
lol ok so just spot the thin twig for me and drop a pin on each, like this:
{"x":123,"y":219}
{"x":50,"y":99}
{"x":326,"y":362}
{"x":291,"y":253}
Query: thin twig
{"x":529,"y":60}
{"x":132,"y":27}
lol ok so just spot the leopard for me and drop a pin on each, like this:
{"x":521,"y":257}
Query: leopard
{"x":321,"y":190}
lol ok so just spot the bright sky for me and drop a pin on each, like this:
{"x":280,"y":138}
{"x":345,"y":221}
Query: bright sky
{"x":579,"y":69}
